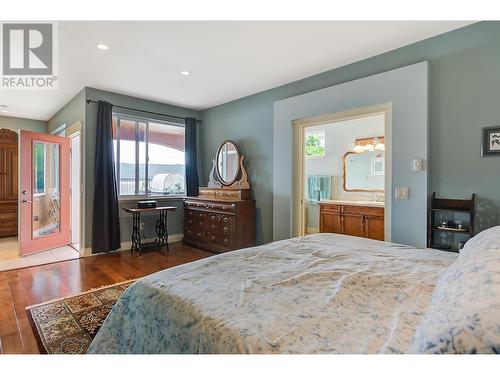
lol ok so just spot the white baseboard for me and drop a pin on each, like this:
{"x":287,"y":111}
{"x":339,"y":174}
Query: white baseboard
{"x":312,"y":230}
{"x":125,"y":246}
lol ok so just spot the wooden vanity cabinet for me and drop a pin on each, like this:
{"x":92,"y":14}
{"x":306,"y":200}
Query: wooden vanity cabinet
{"x":353,"y":220}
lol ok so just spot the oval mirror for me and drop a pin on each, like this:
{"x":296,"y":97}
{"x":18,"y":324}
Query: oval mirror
{"x":228,"y":163}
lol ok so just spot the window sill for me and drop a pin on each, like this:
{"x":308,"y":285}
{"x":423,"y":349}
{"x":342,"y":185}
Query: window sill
{"x":315,"y":156}
{"x":146,"y":198}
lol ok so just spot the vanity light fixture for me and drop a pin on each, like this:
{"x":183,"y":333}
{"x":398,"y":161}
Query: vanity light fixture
{"x":358,"y":148}
{"x":369,"y":144}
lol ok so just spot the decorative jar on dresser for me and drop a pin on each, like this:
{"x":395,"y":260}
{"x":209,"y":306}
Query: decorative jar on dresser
{"x":222,"y":217}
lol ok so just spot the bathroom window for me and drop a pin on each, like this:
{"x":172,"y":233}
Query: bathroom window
{"x":315,"y":143}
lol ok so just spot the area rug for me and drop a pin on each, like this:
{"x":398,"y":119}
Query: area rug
{"x":68,"y":325}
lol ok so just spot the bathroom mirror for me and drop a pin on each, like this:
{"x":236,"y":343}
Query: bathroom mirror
{"x":364,"y":171}
{"x":228,"y":163}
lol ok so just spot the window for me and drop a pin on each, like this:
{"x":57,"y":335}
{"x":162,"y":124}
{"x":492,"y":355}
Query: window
{"x":149,"y":156}
{"x":38,"y":168}
{"x":315,"y":144}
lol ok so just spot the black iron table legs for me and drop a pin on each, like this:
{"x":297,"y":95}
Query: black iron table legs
{"x":136,"y":232}
{"x":162,"y":231}
{"x":161,"y":228}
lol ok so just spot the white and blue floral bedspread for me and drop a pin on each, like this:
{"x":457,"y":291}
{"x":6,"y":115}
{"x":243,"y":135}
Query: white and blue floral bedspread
{"x":322,"y":293}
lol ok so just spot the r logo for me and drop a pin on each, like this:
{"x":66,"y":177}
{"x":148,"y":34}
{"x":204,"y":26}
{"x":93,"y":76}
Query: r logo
{"x":27,"y":49}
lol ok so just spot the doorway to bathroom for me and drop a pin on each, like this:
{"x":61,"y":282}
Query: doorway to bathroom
{"x":342,"y":174}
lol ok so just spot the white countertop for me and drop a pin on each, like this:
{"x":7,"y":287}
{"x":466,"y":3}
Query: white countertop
{"x":353,"y":203}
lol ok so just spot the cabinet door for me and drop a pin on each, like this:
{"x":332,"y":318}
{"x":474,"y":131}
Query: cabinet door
{"x":375,"y":227}
{"x":10,"y":181}
{"x":353,"y":225}
{"x":3,"y":175}
{"x":329,"y":222}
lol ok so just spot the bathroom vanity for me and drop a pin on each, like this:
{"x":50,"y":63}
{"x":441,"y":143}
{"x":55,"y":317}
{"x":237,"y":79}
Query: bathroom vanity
{"x":354,"y":218}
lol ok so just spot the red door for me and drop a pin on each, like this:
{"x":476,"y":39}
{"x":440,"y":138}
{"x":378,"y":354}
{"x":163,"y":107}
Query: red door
{"x":44,"y":194}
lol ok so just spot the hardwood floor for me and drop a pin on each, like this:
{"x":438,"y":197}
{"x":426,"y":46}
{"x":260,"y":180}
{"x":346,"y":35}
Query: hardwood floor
{"x":29,"y":286}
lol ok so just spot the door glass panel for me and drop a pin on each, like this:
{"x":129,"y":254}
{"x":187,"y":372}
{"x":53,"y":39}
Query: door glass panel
{"x":46,"y":189}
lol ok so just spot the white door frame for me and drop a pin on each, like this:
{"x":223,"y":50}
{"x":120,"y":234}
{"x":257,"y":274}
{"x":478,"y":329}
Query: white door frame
{"x":71,"y":131}
{"x":75,"y":134}
{"x":299,"y":127}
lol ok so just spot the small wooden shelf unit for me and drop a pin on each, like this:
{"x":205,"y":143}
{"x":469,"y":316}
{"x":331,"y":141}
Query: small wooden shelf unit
{"x":441,"y":205}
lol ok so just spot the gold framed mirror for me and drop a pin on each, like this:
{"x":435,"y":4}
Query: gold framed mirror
{"x":364,"y":171}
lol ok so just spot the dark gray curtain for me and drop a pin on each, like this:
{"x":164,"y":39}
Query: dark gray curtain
{"x":105,"y":214}
{"x":191,"y":158}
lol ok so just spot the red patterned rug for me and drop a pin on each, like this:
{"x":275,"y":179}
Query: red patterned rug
{"x":68,"y":325}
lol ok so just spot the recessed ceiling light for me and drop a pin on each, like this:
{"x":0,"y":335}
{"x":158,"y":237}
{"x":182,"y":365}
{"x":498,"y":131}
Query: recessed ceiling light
{"x":185,"y":72}
{"x":102,"y":46}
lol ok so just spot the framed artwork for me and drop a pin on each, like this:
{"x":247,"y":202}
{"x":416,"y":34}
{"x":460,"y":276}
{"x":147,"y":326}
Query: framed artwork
{"x":491,"y":141}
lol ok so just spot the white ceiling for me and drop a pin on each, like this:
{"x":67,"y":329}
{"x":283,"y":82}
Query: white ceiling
{"x":227,"y":60}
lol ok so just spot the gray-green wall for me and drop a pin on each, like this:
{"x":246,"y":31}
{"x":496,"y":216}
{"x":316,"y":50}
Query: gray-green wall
{"x":464,"y":96}
{"x":71,"y":113}
{"x":16,"y":123}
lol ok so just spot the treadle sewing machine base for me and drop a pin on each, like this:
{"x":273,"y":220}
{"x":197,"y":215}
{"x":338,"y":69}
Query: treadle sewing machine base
{"x":161,"y":229}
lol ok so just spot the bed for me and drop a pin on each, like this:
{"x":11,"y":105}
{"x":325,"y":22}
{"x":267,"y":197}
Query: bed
{"x":322,"y":293}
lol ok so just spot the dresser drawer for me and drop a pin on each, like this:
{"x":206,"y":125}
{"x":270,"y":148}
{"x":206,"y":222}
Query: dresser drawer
{"x":363,"y":210}
{"x":218,"y":206}
{"x":329,"y":207}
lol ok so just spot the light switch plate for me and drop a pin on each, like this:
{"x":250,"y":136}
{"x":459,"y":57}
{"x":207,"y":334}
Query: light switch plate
{"x":401,"y":192}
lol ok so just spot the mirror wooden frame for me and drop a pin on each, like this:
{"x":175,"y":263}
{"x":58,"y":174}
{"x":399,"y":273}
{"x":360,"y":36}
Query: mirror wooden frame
{"x":240,"y":180}
{"x":238,"y":171}
{"x":344,"y":180}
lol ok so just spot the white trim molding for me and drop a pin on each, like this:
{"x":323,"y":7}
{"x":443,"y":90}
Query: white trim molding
{"x":125,"y":246}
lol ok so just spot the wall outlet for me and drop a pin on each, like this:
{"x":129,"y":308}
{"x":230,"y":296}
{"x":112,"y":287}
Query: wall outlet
{"x":401,"y":192}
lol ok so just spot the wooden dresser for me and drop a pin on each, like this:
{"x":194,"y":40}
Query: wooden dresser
{"x":8,"y":182}
{"x":353,"y":219}
{"x":220,"y":219}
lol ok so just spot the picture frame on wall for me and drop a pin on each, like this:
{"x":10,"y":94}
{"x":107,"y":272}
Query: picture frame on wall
{"x":491,"y":141}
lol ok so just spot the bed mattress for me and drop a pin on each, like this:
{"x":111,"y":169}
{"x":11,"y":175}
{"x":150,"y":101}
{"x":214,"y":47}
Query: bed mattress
{"x":322,"y":293}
